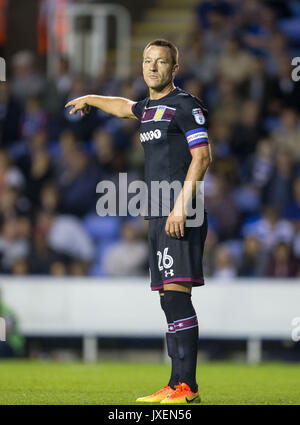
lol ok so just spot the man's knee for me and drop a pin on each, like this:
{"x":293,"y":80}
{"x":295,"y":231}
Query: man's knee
{"x":178,"y":302}
{"x":179,"y":287}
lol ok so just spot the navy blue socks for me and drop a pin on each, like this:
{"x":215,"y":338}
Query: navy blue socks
{"x":171,"y":346}
{"x":182,"y":337}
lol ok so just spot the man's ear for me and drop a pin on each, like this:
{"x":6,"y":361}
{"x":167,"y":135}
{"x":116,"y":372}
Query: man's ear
{"x":175,"y":69}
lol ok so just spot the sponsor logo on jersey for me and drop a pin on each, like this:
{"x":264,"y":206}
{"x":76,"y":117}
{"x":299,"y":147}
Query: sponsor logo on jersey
{"x":198,"y":116}
{"x":150,"y":135}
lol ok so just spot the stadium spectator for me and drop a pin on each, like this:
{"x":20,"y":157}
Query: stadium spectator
{"x":77,"y":184}
{"x":278,"y":190}
{"x":122,"y":133}
{"x":259,"y":85}
{"x":292,"y":211}
{"x":10,"y":175}
{"x":224,"y":269}
{"x":225,"y":8}
{"x":12,"y":245}
{"x":247,"y":199}
{"x":193,"y":87}
{"x":33,"y":119}
{"x":223,"y":210}
{"x":9,"y":203}
{"x":41,"y":257}
{"x":41,"y":171}
{"x":270,"y":229}
{"x":228,"y":102}
{"x":68,"y":143}
{"x":66,"y":236}
{"x":26,"y":80}
{"x":201,"y":63}
{"x":258,"y":30}
{"x":221,"y":134}
{"x":135,"y":155}
{"x":128,"y":257}
{"x":288,"y":134}
{"x":257,"y":168}
{"x":57,"y":88}
{"x":285,"y":90}
{"x":14,"y":344}
{"x":209,"y":251}
{"x":252,"y":262}
{"x":217,"y":33}
{"x":10,"y":112}
{"x":105,"y":152}
{"x":278,"y":49}
{"x":281,"y":262}
{"x":296,"y":247}
{"x":85,"y":127}
{"x":245,"y":133}
{"x":20,"y":267}
{"x":78,"y":268}
{"x":242,"y":60}
{"x":58,"y":269}
{"x":49,"y":198}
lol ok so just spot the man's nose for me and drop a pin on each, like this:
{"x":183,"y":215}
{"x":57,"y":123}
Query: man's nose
{"x":153,"y":66}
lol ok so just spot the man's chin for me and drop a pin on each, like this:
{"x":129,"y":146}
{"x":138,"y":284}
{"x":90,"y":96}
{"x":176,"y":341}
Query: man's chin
{"x":155,"y":85}
{"x":153,"y":82}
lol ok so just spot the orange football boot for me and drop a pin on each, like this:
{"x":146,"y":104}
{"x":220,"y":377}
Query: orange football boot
{"x":182,"y":395}
{"x":158,"y":396}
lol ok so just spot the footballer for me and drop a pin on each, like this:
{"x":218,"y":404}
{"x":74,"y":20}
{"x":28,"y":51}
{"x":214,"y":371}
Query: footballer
{"x":173,"y":132}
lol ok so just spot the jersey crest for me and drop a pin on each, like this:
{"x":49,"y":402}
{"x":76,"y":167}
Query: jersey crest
{"x":159,"y":113}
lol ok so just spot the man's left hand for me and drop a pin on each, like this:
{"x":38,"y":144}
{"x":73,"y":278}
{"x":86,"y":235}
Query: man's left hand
{"x":175,"y":225}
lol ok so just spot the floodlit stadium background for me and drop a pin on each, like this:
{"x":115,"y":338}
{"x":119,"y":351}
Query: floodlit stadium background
{"x":67,"y":274}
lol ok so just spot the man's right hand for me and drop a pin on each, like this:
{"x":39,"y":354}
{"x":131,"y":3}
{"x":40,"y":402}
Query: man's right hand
{"x":79,"y":104}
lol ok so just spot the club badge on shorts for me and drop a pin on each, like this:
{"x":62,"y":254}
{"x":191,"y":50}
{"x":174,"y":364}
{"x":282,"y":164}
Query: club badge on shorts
{"x":198,"y":115}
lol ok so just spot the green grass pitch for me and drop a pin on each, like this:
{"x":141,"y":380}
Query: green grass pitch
{"x":31,"y":382}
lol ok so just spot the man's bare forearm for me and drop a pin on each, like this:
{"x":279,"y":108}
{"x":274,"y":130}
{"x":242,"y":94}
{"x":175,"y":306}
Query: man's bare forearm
{"x":196,"y":172}
{"x":118,"y":106}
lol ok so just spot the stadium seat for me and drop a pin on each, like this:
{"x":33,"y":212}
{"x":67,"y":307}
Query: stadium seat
{"x":291,"y":27}
{"x":100,"y":228}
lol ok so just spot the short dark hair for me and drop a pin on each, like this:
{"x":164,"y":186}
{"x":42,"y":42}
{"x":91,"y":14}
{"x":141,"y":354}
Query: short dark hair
{"x":165,"y":43}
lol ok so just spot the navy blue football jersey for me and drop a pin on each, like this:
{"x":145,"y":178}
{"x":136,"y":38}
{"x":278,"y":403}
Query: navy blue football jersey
{"x":169,"y":128}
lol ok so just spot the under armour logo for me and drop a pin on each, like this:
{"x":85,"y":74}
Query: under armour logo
{"x":169,"y":273}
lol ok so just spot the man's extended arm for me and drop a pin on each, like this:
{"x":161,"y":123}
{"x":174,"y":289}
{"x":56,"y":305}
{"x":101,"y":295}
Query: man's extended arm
{"x":201,"y":158}
{"x":118,"y":106}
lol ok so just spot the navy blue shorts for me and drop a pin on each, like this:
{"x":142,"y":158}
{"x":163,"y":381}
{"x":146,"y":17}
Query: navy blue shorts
{"x":175,"y":260}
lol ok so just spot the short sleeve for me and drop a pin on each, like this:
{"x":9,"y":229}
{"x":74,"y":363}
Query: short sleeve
{"x":191,"y":118}
{"x":137,"y":108}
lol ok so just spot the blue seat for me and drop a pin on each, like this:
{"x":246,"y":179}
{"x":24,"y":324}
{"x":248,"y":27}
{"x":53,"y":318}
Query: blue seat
{"x":102,"y":228}
{"x":291,"y":27}
{"x":101,"y":249}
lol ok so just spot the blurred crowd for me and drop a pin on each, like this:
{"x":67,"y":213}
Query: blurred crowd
{"x":238,"y":61}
